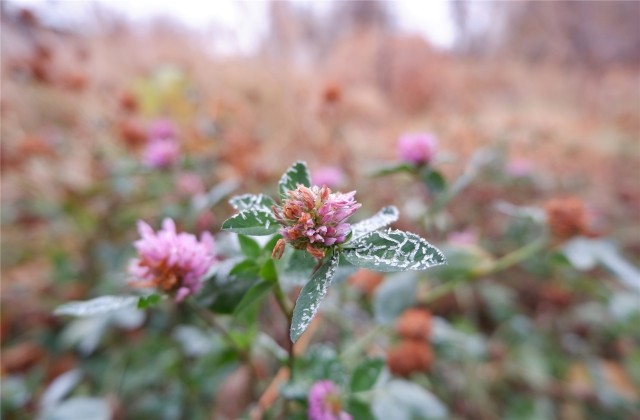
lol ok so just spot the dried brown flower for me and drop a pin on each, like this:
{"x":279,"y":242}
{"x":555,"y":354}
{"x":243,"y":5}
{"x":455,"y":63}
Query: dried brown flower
{"x":366,"y":281}
{"x":132,"y":132}
{"x":568,"y":217}
{"x":415,"y":324}
{"x":410,"y":356}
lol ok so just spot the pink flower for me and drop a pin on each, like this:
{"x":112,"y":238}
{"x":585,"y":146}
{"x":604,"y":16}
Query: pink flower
{"x":418,"y":149}
{"x":324,"y":402}
{"x":161,"y":153}
{"x":519,"y":168}
{"x":172,"y":262}
{"x":189,"y":183}
{"x":162,"y":129}
{"x":331,"y":176}
{"x":463,"y":238}
{"x":314,"y":219}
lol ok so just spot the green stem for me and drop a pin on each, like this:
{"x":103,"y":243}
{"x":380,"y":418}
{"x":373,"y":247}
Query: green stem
{"x":285,"y":307}
{"x":358,"y":346}
{"x":513,"y":258}
{"x":208,"y":318}
{"x":509,"y":260}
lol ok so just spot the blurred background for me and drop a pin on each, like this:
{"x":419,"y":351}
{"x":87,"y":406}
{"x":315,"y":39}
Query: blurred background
{"x":246,"y":88}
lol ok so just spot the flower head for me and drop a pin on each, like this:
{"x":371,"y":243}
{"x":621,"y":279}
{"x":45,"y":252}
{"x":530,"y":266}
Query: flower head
{"x":314,"y":219}
{"x":519,"y":168}
{"x":418,"y":149}
{"x":162,"y":129}
{"x":568,"y":217}
{"x":324,"y":402}
{"x":189,"y":183}
{"x":410,"y":356}
{"x":172,"y":262}
{"x":161,"y":153}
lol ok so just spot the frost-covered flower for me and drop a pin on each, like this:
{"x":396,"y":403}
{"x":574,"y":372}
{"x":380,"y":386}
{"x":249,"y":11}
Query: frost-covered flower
{"x":418,"y":149}
{"x":161,"y":153}
{"x":314,"y":219}
{"x":331,"y":176}
{"x":172,"y":262}
{"x":324,"y":402}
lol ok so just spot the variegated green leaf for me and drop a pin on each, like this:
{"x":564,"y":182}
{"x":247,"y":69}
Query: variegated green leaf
{"x":383,"y":218}
{"x":98,"y":306}
{"x":311,"y":295}
{"x":298,"y":173}
{"x":393,"y":250}
{"x":252,"y":221}
{"x":249,"y":201}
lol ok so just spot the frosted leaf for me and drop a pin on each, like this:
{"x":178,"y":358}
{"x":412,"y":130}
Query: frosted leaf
{"x":311,"y":296}
{"x":248,"y":201}
{"x":202,"y":202}
{"x":384,"y":217}
{"x":393,"y":250}
{"x":98,"y":306}
{"x":59,"y":387}
{"x":79,"y":408}
{"x":298,"y":173}
{"x":252,"y":221}
{"x":399,"y":400}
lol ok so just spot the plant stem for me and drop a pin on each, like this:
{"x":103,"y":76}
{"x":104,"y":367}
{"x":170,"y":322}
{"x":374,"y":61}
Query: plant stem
{"x":354,"y":349}
{"x":285,"y":307}
{"x":514,"y":257}
{"x":207,"y":317}
{"x":498,"y":265}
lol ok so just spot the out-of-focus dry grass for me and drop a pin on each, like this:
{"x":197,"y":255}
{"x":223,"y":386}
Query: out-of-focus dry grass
{"x":64,"y":108}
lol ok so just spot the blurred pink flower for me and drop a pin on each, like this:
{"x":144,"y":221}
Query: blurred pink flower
{"x":419,"y":148}
{"x":331,"y":176}
{"x":324,"y":402}
{"x":172,"y":262}
{"x":314,"y":219}
{"x":189,"y":183}
{"x":162,"y":129}
{"x":161,"y":153}
{"x":463,"y":238}
{"x":519,"y":167}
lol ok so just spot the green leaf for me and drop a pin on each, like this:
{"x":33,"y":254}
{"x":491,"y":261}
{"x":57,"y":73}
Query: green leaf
{"x":98,"y":306}
{"x":148,"y":301}
{"x":400,"y":399}
{"x":359,"y":410}
{"x":268,"y":272}
{"x":246,"y":269}
{"x":311,"y":295}
{"x":384,"y":217}
{"x":252,"y":222}
{"x":300,"y":264}
{"x":251,"y":201}
{"x":80,"y":408}
{"x":250,"y":248}
{"x":395,"y":169}
{"x":393,"y":250}
{"x":434,"y":180}
{"x":366,"y":374}
{"x":213,"y":196}
{"x":396,"y":294}
{"x":298,"y":173}
{"x":253,"y":295}
{"x":228,"y":296}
